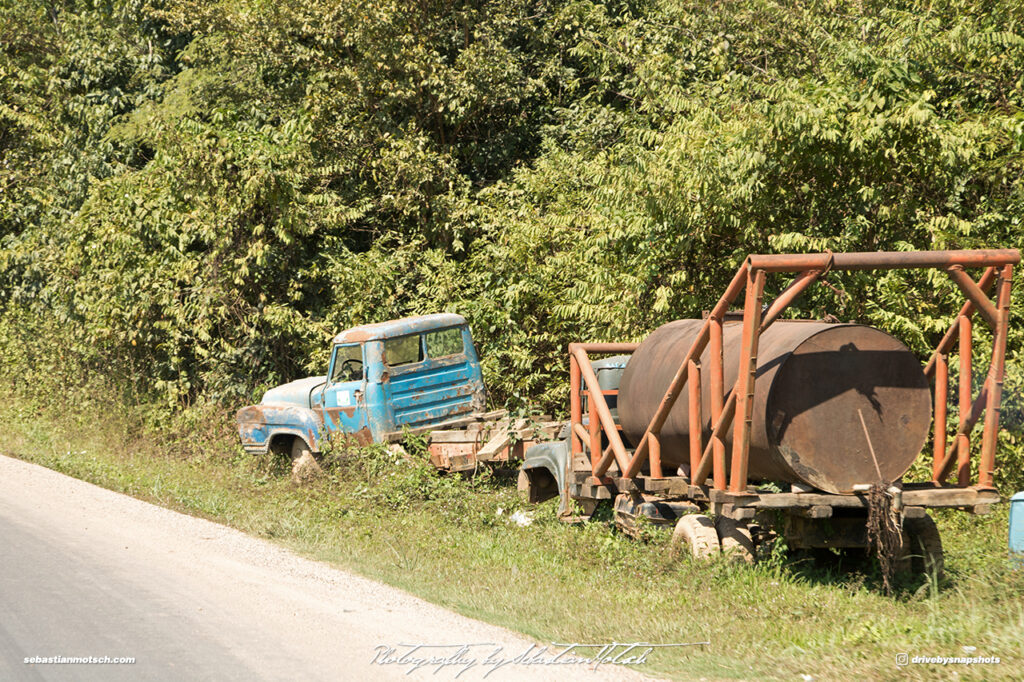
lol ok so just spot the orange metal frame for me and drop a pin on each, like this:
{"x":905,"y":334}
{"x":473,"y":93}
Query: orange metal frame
{"x":709,"y":459}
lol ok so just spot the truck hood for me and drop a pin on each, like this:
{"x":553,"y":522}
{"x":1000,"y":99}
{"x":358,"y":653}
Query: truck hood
{"x":294,"y":393}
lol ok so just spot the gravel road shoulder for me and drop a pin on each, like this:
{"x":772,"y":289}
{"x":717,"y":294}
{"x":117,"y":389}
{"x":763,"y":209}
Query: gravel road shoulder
{"x":87,"y":571}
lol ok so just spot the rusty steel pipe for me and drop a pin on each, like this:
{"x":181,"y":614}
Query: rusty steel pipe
{"x":986,"y":465}
{"x":788,"y":295}
{"x":654,"y":456}
{"x":603,"y":413}
{"x":963,"y":460}
{"x":607,"y":457}
{"x":676,"y":386}
{"x":721,"y":427}
{"x":602,"y":347}
{"x":975,"y":295}
{"x":946,"y":344}
{"x":941,"y":399}
{"x":745,"y":382}
{"x":952,"y":452}
{"x":812,"y":378}
{"x":581,"y":432}
{"x":594,"y":435}
{"x":883,"y":260}
{"x":717,"y":398}
{"x":693,"y":385}
{"x":575,"y":404}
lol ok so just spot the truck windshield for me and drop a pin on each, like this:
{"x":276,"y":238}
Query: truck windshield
{"x":347,"y":364}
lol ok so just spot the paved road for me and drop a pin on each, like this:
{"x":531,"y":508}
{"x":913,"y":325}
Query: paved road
{"x":88,"y":572}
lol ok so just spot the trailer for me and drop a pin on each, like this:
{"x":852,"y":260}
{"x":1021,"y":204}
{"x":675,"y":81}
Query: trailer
{"x":741,"y":426}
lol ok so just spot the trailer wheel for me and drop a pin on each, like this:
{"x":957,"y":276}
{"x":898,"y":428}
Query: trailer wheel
{"x":922,"y":548}
{"x":697,"y":533}
{"x":735,"y":539}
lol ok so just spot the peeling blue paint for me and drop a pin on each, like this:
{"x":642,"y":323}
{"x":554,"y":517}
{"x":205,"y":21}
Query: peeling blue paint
{"x":381,"y":401}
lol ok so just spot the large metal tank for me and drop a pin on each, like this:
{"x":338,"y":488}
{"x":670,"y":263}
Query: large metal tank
{"x":814,"y":383}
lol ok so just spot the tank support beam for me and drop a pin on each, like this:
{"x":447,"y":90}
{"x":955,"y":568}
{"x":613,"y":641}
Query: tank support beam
{"x":975,"y":295}
{"x":745,"y":381}
{"x":582,"y":372}
{"x":963,"y":443}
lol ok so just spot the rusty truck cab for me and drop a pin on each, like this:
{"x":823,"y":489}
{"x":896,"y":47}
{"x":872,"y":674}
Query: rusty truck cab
{"x":403,"y":373}
{"x":381,"y":378}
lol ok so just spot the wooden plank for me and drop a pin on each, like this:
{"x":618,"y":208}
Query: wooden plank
{"x":738,"y":499}
{"x":626,"y":485}
{"x":460,"y":463}
{"x":420,"y":430}
{"x":950,"y":497}
{"x":805,"y":500}
{"x":457,"y":436}
{"x":820,"y":505}
{"x":737,"y":513}
{"x":699,"y":493}
{"x":924,"y":497}
{"x":668,"y":484}
{"x":485,"y":430}
{"x":494,"y":446}
{"x":817,"y":512}
{"x":595,"y":492}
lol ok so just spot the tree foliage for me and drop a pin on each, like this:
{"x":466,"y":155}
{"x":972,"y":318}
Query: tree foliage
{"x":200,"y":193}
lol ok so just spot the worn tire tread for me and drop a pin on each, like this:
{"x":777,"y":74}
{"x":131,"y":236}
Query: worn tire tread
{"x":697,"y":532}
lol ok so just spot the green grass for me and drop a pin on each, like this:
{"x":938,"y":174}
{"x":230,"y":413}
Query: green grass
{"x":442,"y":538}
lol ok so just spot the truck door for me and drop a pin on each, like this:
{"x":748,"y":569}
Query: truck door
{"x":344,"y":401}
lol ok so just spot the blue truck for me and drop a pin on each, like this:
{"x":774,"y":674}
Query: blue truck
{"x":416,"y":374}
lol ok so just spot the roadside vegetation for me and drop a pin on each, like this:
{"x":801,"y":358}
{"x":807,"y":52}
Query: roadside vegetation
{"x":196,"y":195}
{"x":452,"y":541}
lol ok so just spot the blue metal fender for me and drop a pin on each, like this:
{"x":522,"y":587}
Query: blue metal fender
{"x":258,"y":424}
{"x":552,"y":457}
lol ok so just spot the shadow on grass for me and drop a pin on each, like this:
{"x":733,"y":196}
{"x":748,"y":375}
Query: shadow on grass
{"x":858,"y":568}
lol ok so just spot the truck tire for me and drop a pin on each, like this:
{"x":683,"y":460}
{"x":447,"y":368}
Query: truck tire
{"x":696,"y":534}
{"x":735,"y":540}
{"x":304,"y":466}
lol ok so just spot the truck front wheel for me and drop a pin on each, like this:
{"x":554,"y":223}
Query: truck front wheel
{"x":304,"y":466}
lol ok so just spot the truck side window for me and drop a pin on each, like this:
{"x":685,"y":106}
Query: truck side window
{"x":348,"y":364}
{"x":444,"y":342}
{"x":403,"y":350}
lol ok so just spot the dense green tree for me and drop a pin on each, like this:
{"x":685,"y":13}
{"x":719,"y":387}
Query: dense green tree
{"x":201,"y":193}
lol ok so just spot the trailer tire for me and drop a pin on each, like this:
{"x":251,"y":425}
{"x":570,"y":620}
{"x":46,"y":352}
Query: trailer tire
{"x":696,"y":533}
{"x":735,"y":539}
{"x":922,"y":548}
